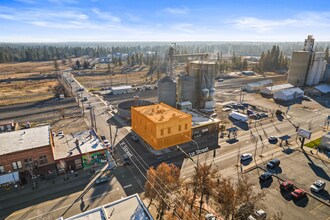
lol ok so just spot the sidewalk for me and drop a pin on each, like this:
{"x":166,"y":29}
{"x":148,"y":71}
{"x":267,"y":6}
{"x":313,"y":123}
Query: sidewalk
{"x":45,"y":188}
{"x":278,"y":151}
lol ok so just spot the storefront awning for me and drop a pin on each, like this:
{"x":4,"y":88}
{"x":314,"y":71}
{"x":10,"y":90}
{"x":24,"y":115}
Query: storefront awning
{"x":9,"y":178}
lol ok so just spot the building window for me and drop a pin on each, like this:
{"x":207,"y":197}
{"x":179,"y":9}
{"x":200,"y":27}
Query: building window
{"x":2,"y":169}
{"x":28,"y":162}
{"x":16,"y":165}
{"x":169,"y":130}
{"x":161,"y":132}
{"x":179,"y":128}
{"x":186,"y":126}
{"x":43,"y":159}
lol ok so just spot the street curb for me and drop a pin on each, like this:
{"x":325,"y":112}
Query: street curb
{"x":313,"y":155}
{"x":294,"y":186}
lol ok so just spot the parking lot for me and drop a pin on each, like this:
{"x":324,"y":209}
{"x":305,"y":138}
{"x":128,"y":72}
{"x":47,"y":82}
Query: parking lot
{"x":302,"y":170}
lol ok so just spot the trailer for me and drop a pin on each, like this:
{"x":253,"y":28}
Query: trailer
{"x":238,"y":116}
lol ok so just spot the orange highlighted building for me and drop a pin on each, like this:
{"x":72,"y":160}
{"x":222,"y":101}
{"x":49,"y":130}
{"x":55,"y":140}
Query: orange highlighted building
{"x":161,"y":125}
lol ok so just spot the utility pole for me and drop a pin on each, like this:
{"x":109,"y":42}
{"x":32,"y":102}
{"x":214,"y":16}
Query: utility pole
{"x":94,"y":119}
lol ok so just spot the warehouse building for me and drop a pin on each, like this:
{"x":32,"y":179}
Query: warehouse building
{"x":117,"y":90}
{"x":288,"y":94}
{"x":256,"y":86}
{"x":326,"y":76}
{"x":270,"y":90}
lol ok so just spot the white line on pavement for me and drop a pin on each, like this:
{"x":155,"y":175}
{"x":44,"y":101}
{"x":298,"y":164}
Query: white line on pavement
{"x":129,"y":185}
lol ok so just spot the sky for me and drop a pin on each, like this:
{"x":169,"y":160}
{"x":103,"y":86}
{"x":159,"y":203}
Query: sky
{"x":163,"y":20}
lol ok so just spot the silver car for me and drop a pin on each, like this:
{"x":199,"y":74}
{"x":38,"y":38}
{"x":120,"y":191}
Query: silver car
{"x":317,"y":186}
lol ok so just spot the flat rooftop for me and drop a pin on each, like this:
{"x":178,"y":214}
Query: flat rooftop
{"x":198,"y":118}
{"x":26,"y":139}
{"x":66,"y":146}
{"x":161,"y":112}
{"x":279,"y":87}
{"x":203,"y":62}
{"x":263,"y":82}
{"x":130,"y":207}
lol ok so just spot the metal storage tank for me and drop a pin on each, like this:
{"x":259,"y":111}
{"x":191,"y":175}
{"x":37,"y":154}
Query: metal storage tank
{"x":205,"y":93}
{"x":212,"y":92}
{"x":167,"y":91}
{"x":186,"y":87}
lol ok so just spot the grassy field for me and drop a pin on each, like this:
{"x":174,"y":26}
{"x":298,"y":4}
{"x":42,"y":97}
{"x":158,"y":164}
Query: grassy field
{"x":314,"y":143}
{"x":16,"y":92}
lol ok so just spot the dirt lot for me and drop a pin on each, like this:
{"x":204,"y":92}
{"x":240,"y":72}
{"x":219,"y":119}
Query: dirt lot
{"x":70,"y":125}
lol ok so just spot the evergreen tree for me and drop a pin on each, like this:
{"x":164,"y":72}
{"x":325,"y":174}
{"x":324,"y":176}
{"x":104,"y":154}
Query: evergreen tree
{"x":326,"y":57}
{"x":56,"y":66}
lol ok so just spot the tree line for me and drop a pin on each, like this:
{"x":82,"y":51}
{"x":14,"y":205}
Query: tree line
{"x":44,"y":52}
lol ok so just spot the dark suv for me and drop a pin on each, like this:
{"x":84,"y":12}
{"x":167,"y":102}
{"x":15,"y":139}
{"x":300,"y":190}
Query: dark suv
{"x":273,"y":163}
{"x":126,"y":159}
{"x":265,"y":176}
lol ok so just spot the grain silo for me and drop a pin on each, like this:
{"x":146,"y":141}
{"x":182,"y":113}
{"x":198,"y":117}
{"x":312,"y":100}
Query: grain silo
{"x":167,"y":91}
{"x":203,"y":73}
{"x":186,"y":89}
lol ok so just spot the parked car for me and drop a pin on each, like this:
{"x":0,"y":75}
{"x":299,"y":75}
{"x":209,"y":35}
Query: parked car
{"x":278,"y":112}
{"x":103,"y":179}
{"x":249,"y":112}
{"x":80,"y":89}
{"x":226,"y":109}
{"x":105,"y":141}
{"x":210,"y":216}
{"x":298,"y":193}
{"x":220,"y":80}
{"x":103,"y":137}
{"x":261,"y":214}
{"x":317,"y":186}
{"x":272,"y":138}
{"x":263,"y":115}
{"x":265,"y":176}
{"x":246,"y":156}
{"x":60,"y":133}
{"x":84,"y":99}
{"x":286,"y":185}
{"x":273,"y":163}
{"x":135,"y":138}
{"x":126,"y":159}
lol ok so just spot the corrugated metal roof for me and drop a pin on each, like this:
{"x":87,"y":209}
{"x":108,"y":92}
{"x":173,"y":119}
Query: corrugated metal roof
{"x":291,"y":91}
{"x":120,"y":87}
{"x":279,"y":87}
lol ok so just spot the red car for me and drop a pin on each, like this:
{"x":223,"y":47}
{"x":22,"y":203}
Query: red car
{"x":298,"y":193}
{"x":286,"y":185}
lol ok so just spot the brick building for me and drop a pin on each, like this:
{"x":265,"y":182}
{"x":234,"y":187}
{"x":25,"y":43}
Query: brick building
{"x":27,"y":151}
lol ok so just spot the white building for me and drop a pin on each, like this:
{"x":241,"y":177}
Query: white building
{"x":255,"y":86}
{"x":316,"y":69}
{"x":309,"y":43}
{"x":130,"y":207}
{"x":116,"y":90}
{"x":270,"y":90}
{"x":288,"y":94}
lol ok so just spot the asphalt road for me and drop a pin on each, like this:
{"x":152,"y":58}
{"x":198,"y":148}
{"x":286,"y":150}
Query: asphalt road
{"x":131,"y":178}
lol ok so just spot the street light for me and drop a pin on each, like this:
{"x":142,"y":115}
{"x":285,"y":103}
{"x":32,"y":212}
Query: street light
{"x":197,"y":149}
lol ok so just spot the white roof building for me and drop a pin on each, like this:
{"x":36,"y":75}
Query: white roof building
{"x":24,"y":139}
{"x":121,"y":89}
{"x":272,"y":89}
{"x":288,"y":94}
{"x":257,"y":85}
{"x":130,"y":207}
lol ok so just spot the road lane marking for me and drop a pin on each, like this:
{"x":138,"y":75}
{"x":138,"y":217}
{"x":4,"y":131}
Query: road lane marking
{"x":316,"y":208}
{"x":129,"y":185}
